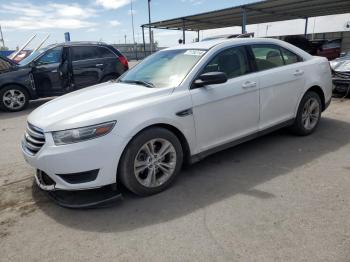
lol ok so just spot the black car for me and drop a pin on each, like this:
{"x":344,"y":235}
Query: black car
{"x":56,"y":70}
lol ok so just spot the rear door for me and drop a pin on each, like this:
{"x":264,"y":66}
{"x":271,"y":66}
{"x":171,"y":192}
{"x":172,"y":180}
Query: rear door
{"x":87,"y":66}
{"x":281,"y":80}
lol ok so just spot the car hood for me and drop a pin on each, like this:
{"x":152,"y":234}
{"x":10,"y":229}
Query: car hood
{"x":341,"y":64}
{"x":93,"y":105}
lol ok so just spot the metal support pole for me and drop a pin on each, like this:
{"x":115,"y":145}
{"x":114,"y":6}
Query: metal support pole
{"x":2,"y":38}
{"x":306,"y":22}
{"x":149,"y":26}
{"x":143,"y":39}
{"x":183,"y":32}
{"x":198,"y":36}
{"x":244,"y":21}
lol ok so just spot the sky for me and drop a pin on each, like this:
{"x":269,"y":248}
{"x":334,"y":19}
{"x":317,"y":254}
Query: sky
{"x":110,"y":20}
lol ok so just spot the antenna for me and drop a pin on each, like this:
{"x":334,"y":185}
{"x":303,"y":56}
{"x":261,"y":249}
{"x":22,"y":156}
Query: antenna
{"x":2,"y":38}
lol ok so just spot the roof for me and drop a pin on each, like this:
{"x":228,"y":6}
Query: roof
{"x":234,"y":41}
{"x":258,"y":12}
{"x":200,"y":45}
{"x":72,"y":43}
{"x":206,"y":45}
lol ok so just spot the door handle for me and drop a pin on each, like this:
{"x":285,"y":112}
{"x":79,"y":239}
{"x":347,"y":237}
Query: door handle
{"x":249,"y":84}
{"x":99,"y":65}
{"x":54,"y":71}
{"x":298,"y":72}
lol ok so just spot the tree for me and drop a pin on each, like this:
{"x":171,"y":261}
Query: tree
{"x":3,"y":48}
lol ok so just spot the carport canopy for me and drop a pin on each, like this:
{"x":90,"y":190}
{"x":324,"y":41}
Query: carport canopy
{"x":255,"y":13}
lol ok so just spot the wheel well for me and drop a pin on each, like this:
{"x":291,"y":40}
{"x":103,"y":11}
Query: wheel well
{"x":318,"y":90}
{"x":180,"y":136}
{"x":16,"y":84}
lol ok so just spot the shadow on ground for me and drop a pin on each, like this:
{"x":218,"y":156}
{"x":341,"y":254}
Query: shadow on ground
{"x":228,"y":173}
{"x":32,"y":105}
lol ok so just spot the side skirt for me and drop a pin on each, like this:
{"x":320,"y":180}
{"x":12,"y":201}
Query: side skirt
{"x":200,"y":156}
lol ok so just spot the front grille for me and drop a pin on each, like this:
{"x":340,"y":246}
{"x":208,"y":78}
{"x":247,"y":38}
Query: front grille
{"x":34,"y":139}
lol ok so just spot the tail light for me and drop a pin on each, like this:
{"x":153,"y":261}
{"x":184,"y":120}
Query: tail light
{"x":124,"y":62}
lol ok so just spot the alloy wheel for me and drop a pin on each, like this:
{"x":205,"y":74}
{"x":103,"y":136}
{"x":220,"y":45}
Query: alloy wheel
{"x":311,"y":113}
{"x":14,"y":99}
{"x":155,"y":162}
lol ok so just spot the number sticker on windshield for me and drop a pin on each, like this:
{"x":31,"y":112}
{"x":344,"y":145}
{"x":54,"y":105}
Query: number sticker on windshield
{"x":194,"y":52}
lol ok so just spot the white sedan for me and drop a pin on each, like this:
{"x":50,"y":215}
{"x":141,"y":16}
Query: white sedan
{"x":178,"y":105}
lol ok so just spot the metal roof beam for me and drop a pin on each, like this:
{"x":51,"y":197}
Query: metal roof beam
{"x":273,"y":12}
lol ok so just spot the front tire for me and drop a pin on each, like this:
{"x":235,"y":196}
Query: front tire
{"x":13,"y":98}
{"x":309,"y":114}
{"x":151,"y":161}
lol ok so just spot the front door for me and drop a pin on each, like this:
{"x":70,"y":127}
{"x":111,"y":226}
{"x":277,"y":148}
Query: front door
{"x":49,"y":72}
{"x":228,"y":111}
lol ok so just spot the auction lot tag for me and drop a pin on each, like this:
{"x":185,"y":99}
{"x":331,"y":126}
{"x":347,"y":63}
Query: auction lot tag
{"x":194,"y":52}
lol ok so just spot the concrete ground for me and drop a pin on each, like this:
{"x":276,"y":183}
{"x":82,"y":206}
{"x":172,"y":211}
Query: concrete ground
{"x":276,"y":198}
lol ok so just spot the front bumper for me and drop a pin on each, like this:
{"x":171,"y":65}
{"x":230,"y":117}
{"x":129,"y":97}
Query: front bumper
{"x":341,"y":84}
{"x":58,"y":162}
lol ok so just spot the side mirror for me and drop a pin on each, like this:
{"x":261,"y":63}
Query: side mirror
{"x":211,"y":78}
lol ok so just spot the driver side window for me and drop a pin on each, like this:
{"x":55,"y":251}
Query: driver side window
{"x":50,"y":57}
{"x":233,"y":62}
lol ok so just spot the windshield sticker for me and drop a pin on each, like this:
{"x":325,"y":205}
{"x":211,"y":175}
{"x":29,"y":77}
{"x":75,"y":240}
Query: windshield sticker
{"x":194,"y":52}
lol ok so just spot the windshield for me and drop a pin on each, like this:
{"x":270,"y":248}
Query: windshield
{"x":32,"y":56}
{"x":164,"y":69}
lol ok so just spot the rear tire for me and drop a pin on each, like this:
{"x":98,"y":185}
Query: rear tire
{"x":309,"y":114}
{"x":151,"y":161}
{"x":13,"y":98}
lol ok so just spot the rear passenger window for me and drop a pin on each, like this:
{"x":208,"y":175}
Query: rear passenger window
{"x":84,"y":52}
{"x":289,"y":57}
{"x":267,"y":56}
{"x":233,"y":62}
{"x":105,"y":53}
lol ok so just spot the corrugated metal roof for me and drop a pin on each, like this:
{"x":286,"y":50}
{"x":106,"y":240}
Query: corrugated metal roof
{"x":258,"y":12}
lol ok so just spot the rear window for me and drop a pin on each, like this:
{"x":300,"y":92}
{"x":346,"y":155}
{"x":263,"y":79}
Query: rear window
{"x":267,"y":56}
{"x":289,"y":57}
{"x":85,"y":52}
{"x":105,"y":52}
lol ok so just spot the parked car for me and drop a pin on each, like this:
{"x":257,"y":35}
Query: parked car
{"x":341,"y":73}
{"x":178,"y":105}
{"x":321,"y":47}
{"x":59,"y":69}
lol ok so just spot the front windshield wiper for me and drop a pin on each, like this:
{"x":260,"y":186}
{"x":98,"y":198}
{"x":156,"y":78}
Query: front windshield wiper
{"x":138,"y":82}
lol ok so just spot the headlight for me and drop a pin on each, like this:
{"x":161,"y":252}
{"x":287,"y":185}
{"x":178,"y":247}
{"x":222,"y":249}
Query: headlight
{"x":81,"y":134}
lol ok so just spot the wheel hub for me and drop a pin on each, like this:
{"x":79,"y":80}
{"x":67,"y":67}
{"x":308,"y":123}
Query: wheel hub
{"x":311,"y":112}
{"x":155,"y":162}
